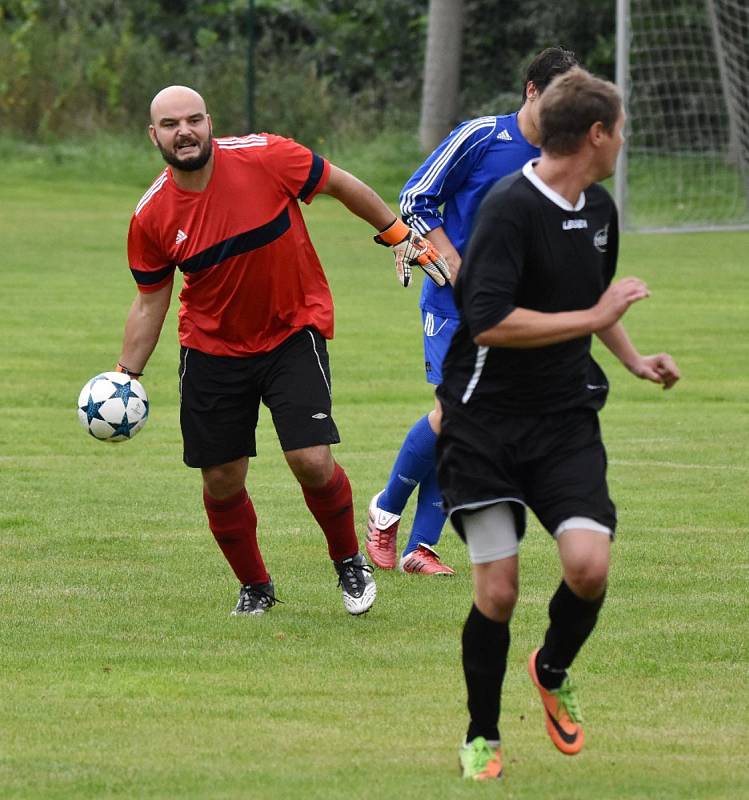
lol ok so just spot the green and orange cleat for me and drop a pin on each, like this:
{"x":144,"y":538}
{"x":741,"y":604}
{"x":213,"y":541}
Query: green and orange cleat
{"x":479,"y":761}
{"x":562,"y":712}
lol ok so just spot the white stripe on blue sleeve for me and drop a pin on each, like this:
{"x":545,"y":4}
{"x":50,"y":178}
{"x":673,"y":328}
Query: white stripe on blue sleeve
{"x":425,"y":192}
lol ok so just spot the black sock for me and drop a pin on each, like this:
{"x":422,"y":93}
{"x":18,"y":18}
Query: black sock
{"x":485,"y":646}
{"x":572,"y":621}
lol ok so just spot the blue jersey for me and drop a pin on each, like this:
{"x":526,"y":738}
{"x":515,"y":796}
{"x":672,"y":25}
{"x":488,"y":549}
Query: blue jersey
{"x":456,"y":176}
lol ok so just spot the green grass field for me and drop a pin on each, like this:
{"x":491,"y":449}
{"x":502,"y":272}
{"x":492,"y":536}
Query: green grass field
{"x":121,"y":673}
{"x":683,"y":191}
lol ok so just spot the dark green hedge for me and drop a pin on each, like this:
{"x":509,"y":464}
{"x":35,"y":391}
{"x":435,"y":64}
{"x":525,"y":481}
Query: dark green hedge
{"x":324,"y":68}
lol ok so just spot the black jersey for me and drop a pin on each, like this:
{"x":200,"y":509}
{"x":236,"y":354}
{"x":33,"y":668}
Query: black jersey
{"x":531,"y":249}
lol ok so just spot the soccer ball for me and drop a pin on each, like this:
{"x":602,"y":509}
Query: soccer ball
{"x":113,"y":406}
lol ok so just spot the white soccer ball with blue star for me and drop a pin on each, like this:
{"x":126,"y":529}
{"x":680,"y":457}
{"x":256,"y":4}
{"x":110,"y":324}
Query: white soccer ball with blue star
{"x":113,"y":406}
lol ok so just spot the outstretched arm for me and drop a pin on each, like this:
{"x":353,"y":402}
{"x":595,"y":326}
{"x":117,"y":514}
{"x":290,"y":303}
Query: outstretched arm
{"x":409,"y":248}
{"x":358,"y":198}
{"x":658,"y":368}
{"x":143,"y":327}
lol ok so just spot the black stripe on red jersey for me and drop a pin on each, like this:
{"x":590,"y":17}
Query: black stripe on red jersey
{"x":150,"y":278}
{"x":236,"y":245}
{"x":315,"y":173}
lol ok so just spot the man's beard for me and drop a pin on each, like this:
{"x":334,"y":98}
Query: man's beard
{"x":189,"y":164}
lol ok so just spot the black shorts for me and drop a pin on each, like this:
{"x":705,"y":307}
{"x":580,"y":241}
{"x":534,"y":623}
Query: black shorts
{"x":555,"y":464}
{"x":220,"y":399}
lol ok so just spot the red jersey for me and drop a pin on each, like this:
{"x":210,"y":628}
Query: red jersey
{"x":251,"y":274}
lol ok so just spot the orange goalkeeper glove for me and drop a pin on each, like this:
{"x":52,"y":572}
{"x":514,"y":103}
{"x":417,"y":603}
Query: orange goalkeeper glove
{"x":410,"y":250}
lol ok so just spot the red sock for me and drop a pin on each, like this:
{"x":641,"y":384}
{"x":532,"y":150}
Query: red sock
{"x":234,"y":525}
{"x":333,"y":508}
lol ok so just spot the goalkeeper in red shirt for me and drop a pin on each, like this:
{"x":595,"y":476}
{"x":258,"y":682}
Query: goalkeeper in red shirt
{"x":255,"y":314}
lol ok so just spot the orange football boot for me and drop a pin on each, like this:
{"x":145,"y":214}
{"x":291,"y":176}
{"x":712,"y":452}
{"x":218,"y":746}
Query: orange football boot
{"x":563,"y":716}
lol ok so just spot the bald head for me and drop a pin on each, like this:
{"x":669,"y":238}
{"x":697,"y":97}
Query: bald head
{"x":181,"y":128}
{"x":173,"y":99}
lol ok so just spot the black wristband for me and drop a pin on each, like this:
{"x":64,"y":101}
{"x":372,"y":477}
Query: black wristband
{"x":130,"y":372}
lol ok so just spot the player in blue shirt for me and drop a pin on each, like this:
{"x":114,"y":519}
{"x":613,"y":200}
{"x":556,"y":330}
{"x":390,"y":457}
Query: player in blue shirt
{"x":440,"y":201}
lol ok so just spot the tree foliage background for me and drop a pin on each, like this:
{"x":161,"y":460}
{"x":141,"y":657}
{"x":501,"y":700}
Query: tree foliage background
{"x":323,"y":68}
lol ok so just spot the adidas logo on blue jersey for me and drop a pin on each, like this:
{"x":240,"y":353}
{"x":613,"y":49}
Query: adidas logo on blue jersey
{"x":504,"y":135}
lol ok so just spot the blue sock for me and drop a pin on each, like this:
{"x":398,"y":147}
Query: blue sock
{"x":415,"y":459}
{"x":430,"y":518}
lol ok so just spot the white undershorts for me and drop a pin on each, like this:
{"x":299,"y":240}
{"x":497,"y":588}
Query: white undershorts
{"x":491,"y":536}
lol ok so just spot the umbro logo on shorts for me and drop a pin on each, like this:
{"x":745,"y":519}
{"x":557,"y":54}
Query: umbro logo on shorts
{"x":319,"y":415}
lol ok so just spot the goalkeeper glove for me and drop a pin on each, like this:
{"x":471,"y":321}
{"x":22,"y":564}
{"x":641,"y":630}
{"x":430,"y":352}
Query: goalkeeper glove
{"x":410,"y":249}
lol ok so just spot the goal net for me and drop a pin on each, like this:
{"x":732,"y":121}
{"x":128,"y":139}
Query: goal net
{"x":683,"y":66}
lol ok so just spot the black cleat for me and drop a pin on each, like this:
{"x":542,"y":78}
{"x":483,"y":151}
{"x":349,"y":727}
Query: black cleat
{"x":255,"y":598}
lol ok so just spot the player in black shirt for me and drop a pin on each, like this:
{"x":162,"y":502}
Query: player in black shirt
{"x":520,"y":397}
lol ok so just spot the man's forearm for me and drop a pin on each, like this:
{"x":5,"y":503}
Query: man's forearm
{"x":143,"y":328}
{"x":618,"y":342}
{"x":523,"y":328}
{"x":441,"y":241}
